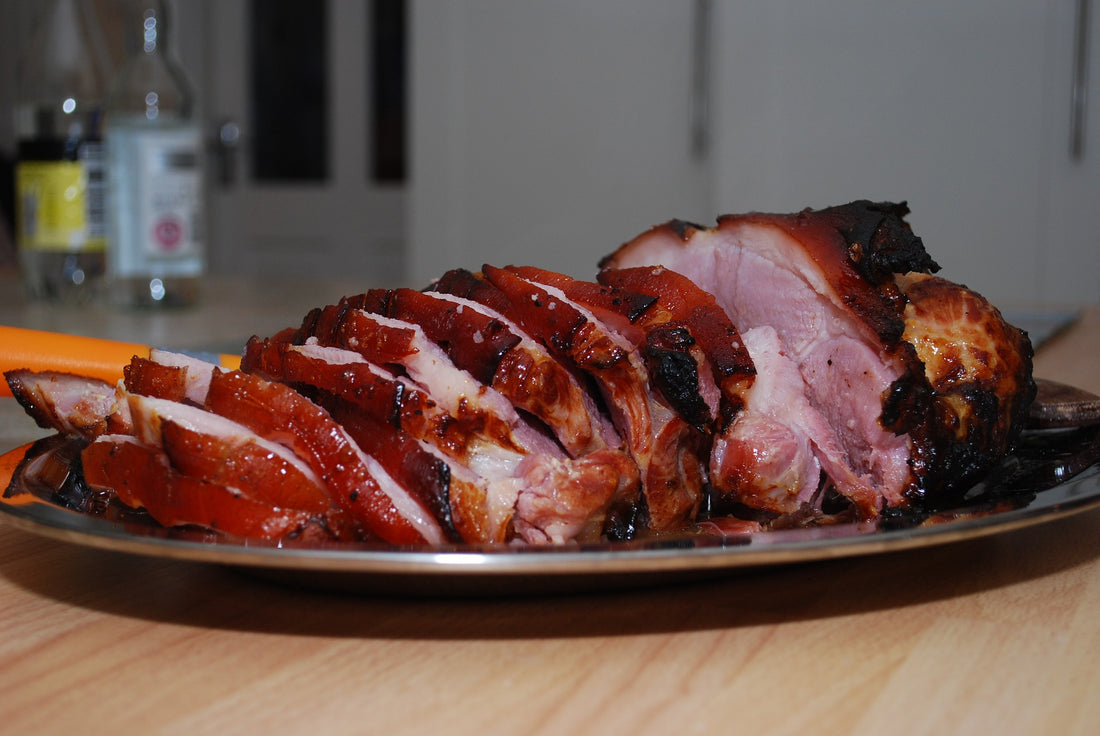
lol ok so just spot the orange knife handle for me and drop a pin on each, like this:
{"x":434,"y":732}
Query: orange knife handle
{"x":86,"y":356}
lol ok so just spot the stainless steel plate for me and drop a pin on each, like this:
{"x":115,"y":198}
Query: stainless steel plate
{"x":467,"y":570}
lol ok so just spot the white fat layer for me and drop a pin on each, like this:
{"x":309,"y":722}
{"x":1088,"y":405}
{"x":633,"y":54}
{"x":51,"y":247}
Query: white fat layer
{"x":198,"y":371}
{"x":556,"y":293}
{"x":405,"y":504}
{"x":429,"y":366}
{"x":340,"y":356}
{"x":458,"y":390}
{"x":601,"y":427}
{"x":492,"y":461}
{"x":335,"y":356}
{"x":148,"y":414}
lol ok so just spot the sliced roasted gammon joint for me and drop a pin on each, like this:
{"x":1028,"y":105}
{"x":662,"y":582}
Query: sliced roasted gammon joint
{"x":910,"y":386}
{"x":770,"y":371}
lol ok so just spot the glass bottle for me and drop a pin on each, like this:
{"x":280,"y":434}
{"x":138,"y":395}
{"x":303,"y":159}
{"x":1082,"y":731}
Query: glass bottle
{"x":154,"y":171}
{"x":59,"y":187}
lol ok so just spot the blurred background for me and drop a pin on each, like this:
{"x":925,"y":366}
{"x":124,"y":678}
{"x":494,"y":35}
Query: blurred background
{"x":389,"y":140}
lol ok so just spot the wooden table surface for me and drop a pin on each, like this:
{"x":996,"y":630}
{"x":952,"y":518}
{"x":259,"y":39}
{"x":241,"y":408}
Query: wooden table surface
{"x":995,"y":635}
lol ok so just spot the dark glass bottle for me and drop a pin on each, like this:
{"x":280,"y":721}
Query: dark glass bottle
{"x":59,"y":185}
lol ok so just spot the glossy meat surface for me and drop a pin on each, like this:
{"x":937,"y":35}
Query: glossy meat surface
{"x":142,"y":477}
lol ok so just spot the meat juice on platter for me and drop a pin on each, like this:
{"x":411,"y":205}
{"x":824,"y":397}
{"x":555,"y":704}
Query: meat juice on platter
{"x":774,"y":370}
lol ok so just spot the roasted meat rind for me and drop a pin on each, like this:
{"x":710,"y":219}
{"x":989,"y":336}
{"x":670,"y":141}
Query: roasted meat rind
{"x":142,"y":477}
{"x":980,"y":371}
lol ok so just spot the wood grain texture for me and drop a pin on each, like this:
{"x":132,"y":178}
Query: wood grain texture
{"x":997,"y":635}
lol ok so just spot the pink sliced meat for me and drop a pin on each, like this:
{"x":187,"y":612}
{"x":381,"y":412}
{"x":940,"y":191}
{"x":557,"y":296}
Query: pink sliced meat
{"x":773,"y":370}
{"x":70,"y":404}
{"x":196,"y":374}
{"x":683,"y":305}
{"x":481,"y":501}
{"x":498,"y":354}
{"x":664,"y":446}
{"x":428,"y":365}
{"x":773,"y":455}
{"x":425,"y":476}
{"x":691,"y":348}
{"x":390,"y":342}
{"x":387,"y":398}
{"x":824,"y":282}
{"x":473,"y":341}
{"x":518,"y":367}
{"x":356,"y":482}
{"x":571,"y":500}
{"x":489,"y":482}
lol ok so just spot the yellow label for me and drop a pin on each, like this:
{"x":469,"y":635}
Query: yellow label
{"x":51,"y":208}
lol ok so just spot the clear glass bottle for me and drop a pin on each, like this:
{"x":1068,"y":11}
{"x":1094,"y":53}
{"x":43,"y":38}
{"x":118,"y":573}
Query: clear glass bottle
{"x":61,"y":82}
{"x":154,"y":171}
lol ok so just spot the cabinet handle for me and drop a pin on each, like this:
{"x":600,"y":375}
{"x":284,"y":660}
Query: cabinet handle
{"x":1079,"y":94}
{"x":700,"y":79}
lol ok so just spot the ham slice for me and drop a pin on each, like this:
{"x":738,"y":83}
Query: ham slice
{"x":492,"y":483}
{"x":142,"y":477}
{"x":216,"y":450}
{"x":355,"y":481}
{"x":663,"y":445}
{"x":72,"y":404}
{"x":497,"y":352}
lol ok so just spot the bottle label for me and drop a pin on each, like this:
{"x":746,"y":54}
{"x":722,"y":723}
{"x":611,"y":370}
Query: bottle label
{"x":95,"y":190}
{"x":156,"y":192}
{"x":54,"y":211}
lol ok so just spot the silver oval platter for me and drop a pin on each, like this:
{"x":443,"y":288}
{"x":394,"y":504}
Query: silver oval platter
{"x":1054,"y":473}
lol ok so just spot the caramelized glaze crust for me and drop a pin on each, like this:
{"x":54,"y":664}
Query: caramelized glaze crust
{"x":979,"y":370}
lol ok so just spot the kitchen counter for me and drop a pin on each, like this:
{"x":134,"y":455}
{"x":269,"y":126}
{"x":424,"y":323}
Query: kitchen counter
{"x":991,"y":635}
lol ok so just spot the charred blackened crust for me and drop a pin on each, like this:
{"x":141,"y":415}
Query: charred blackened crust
{"x":861,"y":247}
{"x":682,"y":228}
{"x":880,"y":241}
{"x":675,"y":373}
{"x":979,"y":372}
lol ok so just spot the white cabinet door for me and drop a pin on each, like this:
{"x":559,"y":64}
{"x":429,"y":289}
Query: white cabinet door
{"x":961,"y":108}
{"x":339,"y":224}
{"x":1069,"y":243}
{"x":549,"y":133}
